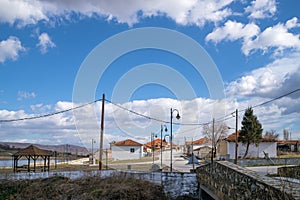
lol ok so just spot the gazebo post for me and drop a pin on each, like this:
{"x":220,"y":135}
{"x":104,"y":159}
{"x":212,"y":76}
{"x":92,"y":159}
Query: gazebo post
{"x":15,"y":164}
{"x":44,"y":168}
{"x":48,"y":163}
{"x":34,"y":163}
{"x":28,"y":163}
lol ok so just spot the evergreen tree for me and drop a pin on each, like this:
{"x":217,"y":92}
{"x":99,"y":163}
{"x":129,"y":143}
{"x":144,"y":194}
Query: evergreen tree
{"x":251,"y":131}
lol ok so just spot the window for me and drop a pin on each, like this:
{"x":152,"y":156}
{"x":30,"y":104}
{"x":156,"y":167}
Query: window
{"x":131,"y":150}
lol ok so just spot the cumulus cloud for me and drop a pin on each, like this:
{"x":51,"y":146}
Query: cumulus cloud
{"x":232,"y":31}
{"x":278,"y":37}
{"x":22,"y":12}
{"x":10,"y":49}
{"x":260,"y":9}
{"x":45,"y":43}
{"x":83,"y":124}
{"x":275,"y":79}
{"x":25,"y":95}
{"x":196,"y":12}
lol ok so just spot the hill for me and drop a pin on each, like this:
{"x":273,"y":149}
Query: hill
{"x":64,"y":148}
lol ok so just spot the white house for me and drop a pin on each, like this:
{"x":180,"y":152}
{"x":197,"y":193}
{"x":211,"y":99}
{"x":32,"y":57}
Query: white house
{"x":226,"y":149}
{"x":126,"y":150}
{"x":200,"y":146}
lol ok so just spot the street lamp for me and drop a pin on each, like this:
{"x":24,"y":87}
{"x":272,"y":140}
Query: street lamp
{"x":177,"y":117}
{"x":161,"y":131}
{"x":93,"y":141}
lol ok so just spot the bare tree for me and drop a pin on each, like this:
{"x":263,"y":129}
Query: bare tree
{"x":271,"y":135}
{"x":215,"y":132}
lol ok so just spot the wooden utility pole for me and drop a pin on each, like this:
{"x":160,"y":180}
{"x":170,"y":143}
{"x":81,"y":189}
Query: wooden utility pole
{"x":213,"y":140}
{"x":236,"y":137}
{"x":101,"y":133}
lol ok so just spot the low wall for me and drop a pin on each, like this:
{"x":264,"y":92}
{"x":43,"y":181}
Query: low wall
{"x":229,"y":181}
{"x":291,"y":172}
{"x":264,"y":162}
{"x":174,"y":184}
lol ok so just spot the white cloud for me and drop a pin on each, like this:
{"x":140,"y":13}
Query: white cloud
{"x":10,"y":49}
{"x":196,"y":12}
{"x":84,"y":125}
{"x":260,"y":9}
{"x":22,"y":12}
{"x":275,"y":79}
{"x":277,"y":38}
{"x":45,"y":43}
{"x":25,"y":95}
{"x":232,"y":31}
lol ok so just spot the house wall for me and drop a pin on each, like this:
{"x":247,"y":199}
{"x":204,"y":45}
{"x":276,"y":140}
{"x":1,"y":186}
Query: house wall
{"x":222,"y":148}
{"x":124,"y":153}
{"x":254,"y":151}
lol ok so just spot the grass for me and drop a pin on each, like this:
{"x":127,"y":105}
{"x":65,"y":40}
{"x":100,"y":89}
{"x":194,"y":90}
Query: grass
{"x":57,"y":187}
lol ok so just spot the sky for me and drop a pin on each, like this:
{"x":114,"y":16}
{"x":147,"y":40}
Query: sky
{"x":202,"y":58}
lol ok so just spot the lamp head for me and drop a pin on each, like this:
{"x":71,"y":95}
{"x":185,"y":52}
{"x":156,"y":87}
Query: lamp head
{"x":166,"y":129}
{"x":177,"y":116}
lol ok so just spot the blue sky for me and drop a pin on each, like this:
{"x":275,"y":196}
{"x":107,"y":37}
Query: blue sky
{"x":255,"y":46}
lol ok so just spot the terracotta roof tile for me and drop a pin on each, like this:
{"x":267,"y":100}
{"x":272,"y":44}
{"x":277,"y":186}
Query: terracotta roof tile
{"x":200,"y":141}
{"x":127,"y":142}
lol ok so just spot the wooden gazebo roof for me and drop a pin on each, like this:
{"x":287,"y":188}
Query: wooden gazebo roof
{"x":33,"y":151}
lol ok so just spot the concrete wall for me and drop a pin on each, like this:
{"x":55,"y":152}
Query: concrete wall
{"x":264,"y":162}
{"x":124,"y":153}
{"x":254,"y":151}
{"x":174,"y":184}
{"x":229,"y":181}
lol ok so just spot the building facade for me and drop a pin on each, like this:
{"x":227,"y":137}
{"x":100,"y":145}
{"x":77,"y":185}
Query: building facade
{"x":126,"y":150}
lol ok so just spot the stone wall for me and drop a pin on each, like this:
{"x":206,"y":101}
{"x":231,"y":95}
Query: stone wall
{"x":174,"y":184}
{"x":291,"y":172}
{"x":229,"y":181}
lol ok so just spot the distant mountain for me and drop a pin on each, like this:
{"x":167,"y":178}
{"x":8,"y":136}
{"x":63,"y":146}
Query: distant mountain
{"x":64,"y":148}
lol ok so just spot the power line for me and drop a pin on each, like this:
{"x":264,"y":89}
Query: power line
{"x":49,"y":114}
{"x":155,"y":119}
{"x":224,"y":118}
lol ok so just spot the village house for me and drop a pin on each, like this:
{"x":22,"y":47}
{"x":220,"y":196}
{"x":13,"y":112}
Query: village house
{"x":126,"y":150}
{"x":226,"y":149}
{"x":155,"y":145}
{"x":288,"y":145}
{"x":201,"y":147}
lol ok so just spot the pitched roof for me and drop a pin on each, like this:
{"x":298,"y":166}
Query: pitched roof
{"x":33,"y":151}
{"x":231,"y":138}
{"x":200,"y":141}
{"x":127,"y":142}
{"x":288,"y":142}
{"x":156,"y":142}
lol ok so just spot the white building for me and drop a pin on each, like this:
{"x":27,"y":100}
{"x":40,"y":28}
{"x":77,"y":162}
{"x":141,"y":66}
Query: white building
{"x":126,"y":150}
{"x":226,"y":149}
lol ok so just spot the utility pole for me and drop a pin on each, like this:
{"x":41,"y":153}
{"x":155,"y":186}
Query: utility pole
{"x":236,"y":137}
{"x":213,"y":140}
{"x":101,"y":133}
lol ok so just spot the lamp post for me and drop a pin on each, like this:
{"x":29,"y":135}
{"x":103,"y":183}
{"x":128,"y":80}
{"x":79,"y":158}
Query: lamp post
{"x":161,"y":131}
{"x":171,"y":136}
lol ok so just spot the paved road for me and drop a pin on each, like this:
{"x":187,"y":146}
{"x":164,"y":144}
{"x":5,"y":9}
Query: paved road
{"x":179,"y":163}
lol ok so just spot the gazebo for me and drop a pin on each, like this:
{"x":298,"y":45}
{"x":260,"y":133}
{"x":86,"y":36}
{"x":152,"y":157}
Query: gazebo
{"x":32,"y":152}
